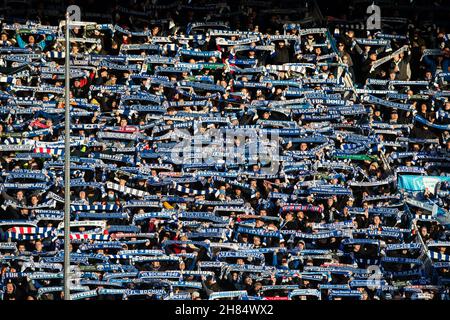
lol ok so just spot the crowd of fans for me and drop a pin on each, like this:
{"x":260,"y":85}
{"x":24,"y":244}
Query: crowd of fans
{"x":322,"y":170}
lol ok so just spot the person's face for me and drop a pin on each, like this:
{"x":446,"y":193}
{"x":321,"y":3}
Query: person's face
{"x":4,"y":37}
{"x":376,"y":220}
{"x":34,"y":200}
{"x":20,"y":195}
{"x":38,"y":246}
{"x":256,"y":241}
{"x":447,"y":106}
{"x":9,"y":288}
{"x":446,"y":52}
{"x":424,"y":231}
{"x":303,"y":146}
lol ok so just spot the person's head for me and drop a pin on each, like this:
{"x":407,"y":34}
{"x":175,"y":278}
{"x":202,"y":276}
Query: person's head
{"x":394,"y":116}
{"x":330,"y":202}
{"x":10,"y":288}
{"x":376,"y":220}
{"x":38,"y":245}
{"x":113,"y":78}
{"x":4,"y":37}
{"x":424,"y":231}
{"x":259,"y":223}
{"x":350,"y":202}
{"x":111,"y":195}
{"x":446,"y":53}
{"x":392,"y":75}
{"x":155,"y":30}
{"x":373,"y":167}
{"x":21,"y":248}
{"x":303,"y":146}
{"x":423,"y":108}
{"x":289,"y":216}
{"x":34,"y":200}
{"x":345,"y":60}
{"x":19,"y":195}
